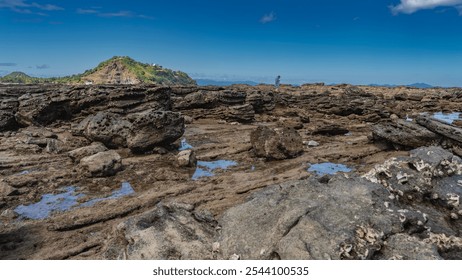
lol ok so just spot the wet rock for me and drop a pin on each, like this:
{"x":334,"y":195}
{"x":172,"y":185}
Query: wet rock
{"x":408,"y":134}
{"x":108,"y":128}
{"x":279,"y":143}
{"x":77,"y":154}
{"x":186,"y":158}
{"x":152,"y":128}
{"x":102,"y":164}
{"x":168,"y":232}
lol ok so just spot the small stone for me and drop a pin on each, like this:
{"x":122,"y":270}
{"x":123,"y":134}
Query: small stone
{"x":454,"y":216}
{"x":215,"y":247}
{"x":10,"y":214}
{"x":188,"y":119}
{"x":186,"y":158}
{"x":312,"y":143}
{"x":234,"y":257}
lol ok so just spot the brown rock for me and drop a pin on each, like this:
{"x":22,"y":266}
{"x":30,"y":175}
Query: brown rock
{"x":279,"y":143}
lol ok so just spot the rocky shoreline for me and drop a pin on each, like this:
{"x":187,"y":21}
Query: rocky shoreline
{"x":187,"y":172}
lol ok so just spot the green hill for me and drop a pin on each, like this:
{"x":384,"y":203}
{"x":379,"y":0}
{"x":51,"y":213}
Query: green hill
{"x":19,"y":78}
{"x":117,"y":70}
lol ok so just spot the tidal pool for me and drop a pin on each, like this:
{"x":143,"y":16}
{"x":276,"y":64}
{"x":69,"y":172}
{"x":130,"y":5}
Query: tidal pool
{"x":184,"y":145}
{"x":328,"y":168}
{"x":206,"y":168}
{"x":50,"y":203}
{"x":447,"y":117}
{"x":64,"y":201}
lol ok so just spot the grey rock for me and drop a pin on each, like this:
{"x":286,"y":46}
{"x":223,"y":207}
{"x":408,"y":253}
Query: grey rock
{"x":169,"y":231}
{"x":279,"y":143}
{"x":108,"y":128}
{"x":447,"y":130}
{"x":186,"y":158}
{"x":152,"y":128}
{"x":308,"y":220}
{"x":102,"y":164}
{"x":405,"y":133}
{"x":405,"y":247}
{"x":77,"y":154}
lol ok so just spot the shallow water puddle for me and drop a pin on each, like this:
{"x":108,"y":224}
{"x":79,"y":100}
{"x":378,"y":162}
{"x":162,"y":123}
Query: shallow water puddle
{"x":125,"y":190}
{"x":328,"y":168}
{"x":184,"y":145}
{"x":206,"y":168}
{"x":50,"y":203}
{"x":447,"y":117}
{"x":64,"y":201}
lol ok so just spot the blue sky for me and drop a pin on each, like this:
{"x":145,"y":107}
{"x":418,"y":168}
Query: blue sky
{"x":332,"y":41}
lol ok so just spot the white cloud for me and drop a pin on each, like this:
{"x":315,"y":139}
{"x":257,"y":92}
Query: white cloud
{"x":268,"y":18}
{"x":412,"y":6}
{"x":25,"y":7}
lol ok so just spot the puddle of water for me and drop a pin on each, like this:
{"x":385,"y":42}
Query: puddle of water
{"x":184,"y":145}
{"x":206,"y":168}
{"x":447,"y":117}
{"x":348,"y":134}
{"x":51,"y":203}
{"x":125,"y":190}
{"x":328,"y":168}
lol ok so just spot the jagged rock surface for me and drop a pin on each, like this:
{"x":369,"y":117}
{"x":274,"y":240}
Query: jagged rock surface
{"x":279,"y":143}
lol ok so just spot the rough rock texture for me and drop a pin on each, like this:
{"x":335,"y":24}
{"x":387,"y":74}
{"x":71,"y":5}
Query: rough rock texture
{"x":152,"y":128}
{"x":186,"y":158}
{"x":95,"y":147}
{"x":108,"y":128}
{"x":444,"y":129}
{"x":102,"y":164}
{"x":169,"y":231}
{"x":279,"y":143}
{"x":411,"y":211}
{"x":408,"y":134}
{"x":138,"y":131}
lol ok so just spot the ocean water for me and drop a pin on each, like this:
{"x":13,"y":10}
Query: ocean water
{"x":328,"y":168}
{"x":206,"y":168}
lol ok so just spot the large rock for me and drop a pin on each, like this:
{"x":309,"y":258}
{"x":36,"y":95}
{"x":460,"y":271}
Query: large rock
{"x":309,"y":220}
{"x":154,"y":128}
{"x":279,"y":143}
{"x":241,"y":113}
{"x":408,"y":134}
{"x":102,"y":164}
{"x":169,"y":231}
{"x":447,"y":130}
{"x":8,"y":107}
{"x":108,"y":128}
{"x":139,"y":131}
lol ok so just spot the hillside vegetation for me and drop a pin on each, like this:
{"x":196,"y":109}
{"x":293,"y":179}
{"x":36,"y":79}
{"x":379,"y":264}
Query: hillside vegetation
{"x":117,"y":70}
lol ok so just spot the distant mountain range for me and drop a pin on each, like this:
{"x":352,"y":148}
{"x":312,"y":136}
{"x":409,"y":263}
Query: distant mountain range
{"x":117,"y":70}
{"x":415,"y":85}
{"x":209,"y":82}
